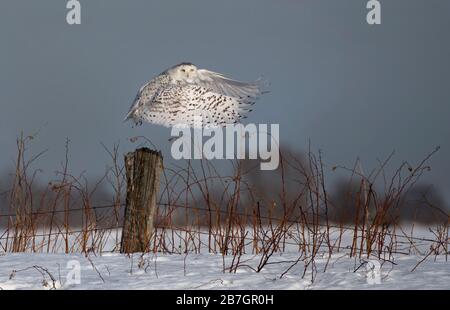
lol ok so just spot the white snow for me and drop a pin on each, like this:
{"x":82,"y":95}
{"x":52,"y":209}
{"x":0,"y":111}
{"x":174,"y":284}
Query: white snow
{"x":204,"y":271}
{"x":411,"y":270}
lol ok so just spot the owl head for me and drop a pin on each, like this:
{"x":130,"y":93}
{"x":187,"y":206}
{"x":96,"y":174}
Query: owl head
{"x":184,"y":72}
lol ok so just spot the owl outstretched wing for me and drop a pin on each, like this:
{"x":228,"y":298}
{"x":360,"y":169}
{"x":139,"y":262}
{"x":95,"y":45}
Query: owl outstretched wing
{"x":146,"y":95}
{"x":194,"y":106}
{"x":224,"y":85}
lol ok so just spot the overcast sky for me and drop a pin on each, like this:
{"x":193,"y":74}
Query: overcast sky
{"x":355,"y":90}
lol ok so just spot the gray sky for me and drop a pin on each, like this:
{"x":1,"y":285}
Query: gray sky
{"x":353,"y":89}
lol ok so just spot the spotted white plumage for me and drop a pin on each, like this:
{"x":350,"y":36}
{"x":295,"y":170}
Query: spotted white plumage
{"x":185,"y":96}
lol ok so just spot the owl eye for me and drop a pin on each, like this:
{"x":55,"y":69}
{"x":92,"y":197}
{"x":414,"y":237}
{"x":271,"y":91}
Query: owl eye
{"x":192,"y":70}
{"x":183,"y":70}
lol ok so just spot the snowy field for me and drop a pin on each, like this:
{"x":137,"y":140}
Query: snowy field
{"x":108,"y":270}
{"x":204,"y":271}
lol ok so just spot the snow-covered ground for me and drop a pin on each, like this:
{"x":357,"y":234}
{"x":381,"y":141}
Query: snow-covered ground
{"x":409,"y":267}
{"x":205,"y":271}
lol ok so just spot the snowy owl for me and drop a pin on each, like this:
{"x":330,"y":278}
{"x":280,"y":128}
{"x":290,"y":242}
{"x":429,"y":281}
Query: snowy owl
{"x":184,"y":96}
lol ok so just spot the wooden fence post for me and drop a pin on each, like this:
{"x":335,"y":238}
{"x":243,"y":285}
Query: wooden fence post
{"x":143,"y":169}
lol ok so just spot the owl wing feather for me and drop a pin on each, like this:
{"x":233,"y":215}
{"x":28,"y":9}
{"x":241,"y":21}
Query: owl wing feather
{"x":194,"y":106}
{"x":147,"y":93}
{"x":229,"y":87}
